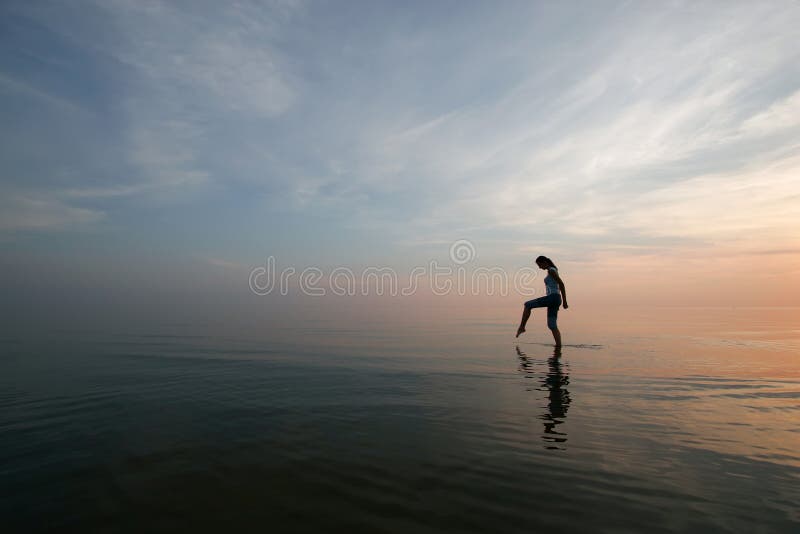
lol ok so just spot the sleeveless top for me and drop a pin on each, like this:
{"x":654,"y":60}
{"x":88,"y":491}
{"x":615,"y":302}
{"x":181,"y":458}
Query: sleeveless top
{"x":550,"y":283}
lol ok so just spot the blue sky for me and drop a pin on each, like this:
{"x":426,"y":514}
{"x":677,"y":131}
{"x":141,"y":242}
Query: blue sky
{"x":348,"y":133}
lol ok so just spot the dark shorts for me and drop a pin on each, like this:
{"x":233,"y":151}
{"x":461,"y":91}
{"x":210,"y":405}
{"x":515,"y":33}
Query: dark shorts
{"x":552,"y":303}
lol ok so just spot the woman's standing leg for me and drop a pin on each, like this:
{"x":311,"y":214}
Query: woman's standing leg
{"x":552,"y":319}
{"x":556,"y":337}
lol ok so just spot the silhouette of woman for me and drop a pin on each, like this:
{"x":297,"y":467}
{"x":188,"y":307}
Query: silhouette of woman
{"x":552,"y":300}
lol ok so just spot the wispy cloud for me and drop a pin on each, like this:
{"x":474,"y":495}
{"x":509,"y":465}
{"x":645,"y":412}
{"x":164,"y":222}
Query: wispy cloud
{"x":217,"y":262}
{"x":24,"y":212}
{"x":177,"y":80}
{"x":672,"y":102}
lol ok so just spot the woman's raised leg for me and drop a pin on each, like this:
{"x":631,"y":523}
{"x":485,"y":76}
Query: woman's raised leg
{"x":541,"y":302}
{"x":526,"y":313}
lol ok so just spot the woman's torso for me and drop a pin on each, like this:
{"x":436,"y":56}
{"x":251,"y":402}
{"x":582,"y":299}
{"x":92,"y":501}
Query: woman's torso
{"x":550,"y":283}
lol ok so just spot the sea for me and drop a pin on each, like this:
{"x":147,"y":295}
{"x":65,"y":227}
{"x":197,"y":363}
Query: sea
{"x":646,"y":420}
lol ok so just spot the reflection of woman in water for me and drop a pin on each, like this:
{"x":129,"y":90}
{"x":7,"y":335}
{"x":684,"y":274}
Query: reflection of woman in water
{"x":552,"y":300}
{"x":555,"y":382}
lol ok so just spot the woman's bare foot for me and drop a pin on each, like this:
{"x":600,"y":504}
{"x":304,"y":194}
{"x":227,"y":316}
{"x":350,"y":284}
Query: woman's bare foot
{"x":520,"y":330}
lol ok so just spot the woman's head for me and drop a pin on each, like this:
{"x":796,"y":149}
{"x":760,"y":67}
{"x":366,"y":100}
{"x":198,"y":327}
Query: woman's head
{"x":544,"y":262}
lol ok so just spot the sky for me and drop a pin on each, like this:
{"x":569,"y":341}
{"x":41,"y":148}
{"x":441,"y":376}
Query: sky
{"x":652,"y":149}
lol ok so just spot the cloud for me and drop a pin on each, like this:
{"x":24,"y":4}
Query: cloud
{"x":217,"y":262}
{"x":730,"y":206}
{"x":195,"y":74}
{"x":18,"y":86}
{"x":222,"y":58}
{"x":781,"y":116}
{"x":24,"y":212}
{"x":152,"y":123}
{"x":632,"y":142}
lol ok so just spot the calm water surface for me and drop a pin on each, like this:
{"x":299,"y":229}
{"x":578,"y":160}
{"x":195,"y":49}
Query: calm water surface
{"x":669,"y":421}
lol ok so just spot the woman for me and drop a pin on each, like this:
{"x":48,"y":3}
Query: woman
{"x":552,"y":300}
